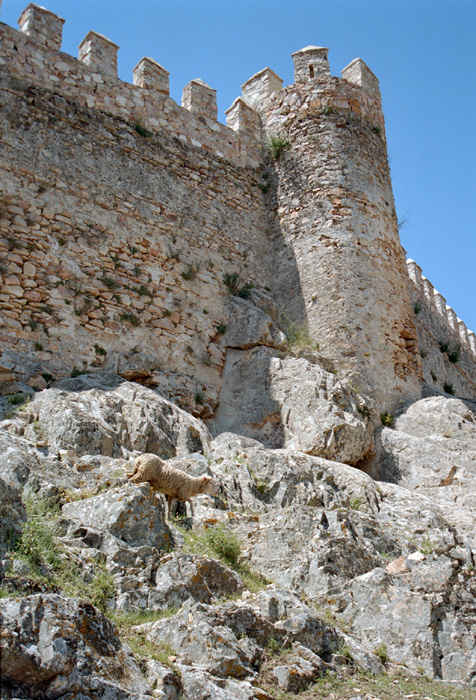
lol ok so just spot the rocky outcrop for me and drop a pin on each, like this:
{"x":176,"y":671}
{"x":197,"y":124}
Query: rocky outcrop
{"x":104,"y":415}
{"x":292,"y":402}
{"x":355,"y":569}
{"x":59,"y":646}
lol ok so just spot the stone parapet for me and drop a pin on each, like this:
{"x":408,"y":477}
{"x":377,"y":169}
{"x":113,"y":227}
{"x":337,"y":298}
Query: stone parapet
{"x":260,"y":86}
{"x":92,"y":81}
{"x":200,"y":98}
{"x":359,"y":73}
{"x":151,"y":75}
{"x":244,"y":119}
{"x":311,"y":63}
{"x":443,"y":315}
{"x":99,"y":54}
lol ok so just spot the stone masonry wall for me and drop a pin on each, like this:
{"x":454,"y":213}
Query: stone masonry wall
{"x":336,"y":236}
{"x":121,"y":212}
{"x":447,"y":347}
{"x":114,"y":239}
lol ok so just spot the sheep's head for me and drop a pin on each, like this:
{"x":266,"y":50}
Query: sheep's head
{"x":209,"y":486}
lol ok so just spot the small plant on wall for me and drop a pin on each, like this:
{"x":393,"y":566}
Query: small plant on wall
{"x":276,"y":145}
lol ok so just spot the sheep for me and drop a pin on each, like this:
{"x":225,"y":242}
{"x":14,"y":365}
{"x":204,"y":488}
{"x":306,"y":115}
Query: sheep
{"x":172,"y":482}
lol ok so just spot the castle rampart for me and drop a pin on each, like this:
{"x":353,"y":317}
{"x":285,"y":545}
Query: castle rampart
{"x":91,"y":80}
{"x":447,"y":347}
{"x":121,"y":212}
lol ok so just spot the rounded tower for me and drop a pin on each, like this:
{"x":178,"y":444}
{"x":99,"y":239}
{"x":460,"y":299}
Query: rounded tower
{"x":339,"y":265}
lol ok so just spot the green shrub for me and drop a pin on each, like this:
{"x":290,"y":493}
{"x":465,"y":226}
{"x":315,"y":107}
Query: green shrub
{"x":78,"y":372}
{"x":298,"y":334}
{"x":231,"y":280}
{"x":455,"y":354}
{"x":274,"y":647}
{"x":381,"y":651}
{"x":130,"y":317}
{"x":356,"y":502}
{"x":245,"y":292}
{"x":142,"y":131}
{"x":191,"y":272}
{"x":36,"y":544}
{"x":387,"y":419}
{"x":221,"y":329}
{"x":276,"y":145}
{"x":443,"y":346}
{"x":224,"y":543}
{"x":16,"y":399}
{"x":448,"y":388}
{"x":199,"y":398}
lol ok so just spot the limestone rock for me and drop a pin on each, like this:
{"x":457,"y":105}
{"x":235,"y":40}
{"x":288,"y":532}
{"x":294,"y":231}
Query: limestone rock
{"x":249,"y":326}
{"x":64,"y":645}
{"x":289,"y":402}
{"x":181,"y":577}
{"x":432,"y":450}
{"x":101,"y":414}
{"x":406,"y":613}
{"x":12,"y":514}
{"x":197,"y":684}
{"x":132,"y":513}
{"x":262,"y":479}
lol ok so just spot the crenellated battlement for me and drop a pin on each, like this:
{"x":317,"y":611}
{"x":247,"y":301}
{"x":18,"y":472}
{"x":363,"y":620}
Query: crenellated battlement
{"x":446,"y":322}
{"x":92,"y":80}
{"x":33,"y":53}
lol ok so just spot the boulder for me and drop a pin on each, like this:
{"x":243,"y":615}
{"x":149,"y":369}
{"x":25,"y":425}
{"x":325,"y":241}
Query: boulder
{"x":432,"y":450}
{"x":65,"y":646}
{"x":290,"y":402}
{"x":99,"y":414}
{"x":133,"y":514}
{"x":249,"y":326}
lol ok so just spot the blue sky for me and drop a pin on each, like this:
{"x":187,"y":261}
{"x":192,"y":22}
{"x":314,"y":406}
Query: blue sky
{"x":422,"y":51}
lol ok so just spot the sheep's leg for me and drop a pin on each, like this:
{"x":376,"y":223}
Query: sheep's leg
{"x":191,"y":506}
{"x":169,"y":505}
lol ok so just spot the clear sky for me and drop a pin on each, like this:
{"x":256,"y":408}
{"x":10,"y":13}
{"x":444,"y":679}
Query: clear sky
{"x":422,"y":51}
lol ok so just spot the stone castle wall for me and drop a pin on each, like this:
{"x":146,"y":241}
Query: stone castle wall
{"x":121,"y":212}
{"x":115,"y":237}
{"x":447,"y":347}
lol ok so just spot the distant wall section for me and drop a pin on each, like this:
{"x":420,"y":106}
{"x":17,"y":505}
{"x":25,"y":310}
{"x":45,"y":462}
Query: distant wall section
{"x":447,"y":347}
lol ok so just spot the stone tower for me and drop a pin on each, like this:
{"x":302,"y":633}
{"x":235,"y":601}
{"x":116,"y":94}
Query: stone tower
{"x":339,"y":268}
